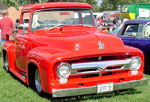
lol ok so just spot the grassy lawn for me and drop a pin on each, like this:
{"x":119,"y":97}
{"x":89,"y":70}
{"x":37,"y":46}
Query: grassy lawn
{"x":13,"y":90}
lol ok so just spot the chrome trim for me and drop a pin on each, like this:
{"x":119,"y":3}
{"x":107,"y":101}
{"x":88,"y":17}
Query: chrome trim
{"x":100,"y":66}
{"x":93,"y":89}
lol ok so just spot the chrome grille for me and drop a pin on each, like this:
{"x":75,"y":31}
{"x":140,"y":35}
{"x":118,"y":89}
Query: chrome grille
{"x":100,"y":66}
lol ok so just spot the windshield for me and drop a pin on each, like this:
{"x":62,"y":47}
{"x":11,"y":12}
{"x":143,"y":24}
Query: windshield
{"x":47,"y":19}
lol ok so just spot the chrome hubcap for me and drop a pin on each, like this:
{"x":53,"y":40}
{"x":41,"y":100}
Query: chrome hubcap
{"x":38,"y":81}
{"x":6,"y":63}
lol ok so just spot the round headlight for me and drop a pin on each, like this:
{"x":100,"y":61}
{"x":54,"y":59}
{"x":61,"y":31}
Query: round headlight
{"x":64,"y":70}
{"x":135,"y":63}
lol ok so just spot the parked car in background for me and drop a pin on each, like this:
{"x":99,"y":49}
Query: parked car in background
{"x":136,"y":33}
{"x":63,"y":53}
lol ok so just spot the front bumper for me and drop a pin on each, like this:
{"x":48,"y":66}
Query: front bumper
{"x":93,"y":89}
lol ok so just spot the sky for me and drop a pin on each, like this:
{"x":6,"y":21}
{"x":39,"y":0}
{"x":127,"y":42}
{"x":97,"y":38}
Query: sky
{"x":99,"y":1}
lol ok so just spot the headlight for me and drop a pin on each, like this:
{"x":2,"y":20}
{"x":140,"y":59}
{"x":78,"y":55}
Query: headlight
{"x":64,"y":70}
{"x":135,"y":63}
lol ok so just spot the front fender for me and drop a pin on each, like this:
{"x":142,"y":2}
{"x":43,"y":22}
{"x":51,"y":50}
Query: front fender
{"x":44,"y":59}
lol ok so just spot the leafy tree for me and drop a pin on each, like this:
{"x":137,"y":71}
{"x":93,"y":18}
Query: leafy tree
{"x":9,"y":3}
{"x":113,"y":4}
{"x":15,"y":3}
{"x":66,"y":0}
{"x":92,"y":2}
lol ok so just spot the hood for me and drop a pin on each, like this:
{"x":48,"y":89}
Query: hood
{"x":80,"y":40}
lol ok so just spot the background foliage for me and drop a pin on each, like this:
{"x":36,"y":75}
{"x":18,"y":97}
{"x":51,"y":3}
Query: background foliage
{"x":16,"y":3}
{"x":114,"y":4}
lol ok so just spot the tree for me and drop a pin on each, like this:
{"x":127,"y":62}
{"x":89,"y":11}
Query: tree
{"x":66,"y":0}
{"x":15,"y":3}
{"x":9,"y":3}
{"x":113,"y":4}
{"x":92,"y":2}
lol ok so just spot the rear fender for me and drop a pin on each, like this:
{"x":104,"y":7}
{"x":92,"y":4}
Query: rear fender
{"x":9,"y":47}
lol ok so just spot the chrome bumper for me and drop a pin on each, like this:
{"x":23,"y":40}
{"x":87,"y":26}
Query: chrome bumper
{"x":93,"y":89}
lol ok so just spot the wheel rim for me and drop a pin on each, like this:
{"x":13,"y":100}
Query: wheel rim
{"x":6,"y":63}
{"x":38,"y":81}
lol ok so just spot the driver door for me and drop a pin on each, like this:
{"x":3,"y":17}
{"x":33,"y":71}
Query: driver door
{"x":22,"y":44}
{"x":142,"y":41}
{"x":132,"y":35}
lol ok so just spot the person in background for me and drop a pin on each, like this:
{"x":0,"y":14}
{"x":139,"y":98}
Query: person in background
{"x":6,"y":26}
{"x":100,"y":21}
{"x":116,"y":25}
{"x":1,"y":15}
{"x":0,"y":19}
{"x":115,"y":21}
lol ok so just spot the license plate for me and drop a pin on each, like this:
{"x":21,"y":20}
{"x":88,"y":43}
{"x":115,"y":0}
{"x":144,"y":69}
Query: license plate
{"x":106,"y":87}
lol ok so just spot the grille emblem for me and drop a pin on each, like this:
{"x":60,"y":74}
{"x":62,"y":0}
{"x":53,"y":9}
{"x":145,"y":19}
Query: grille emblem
{"x":100,"y":45}
{"x":100,"y":69}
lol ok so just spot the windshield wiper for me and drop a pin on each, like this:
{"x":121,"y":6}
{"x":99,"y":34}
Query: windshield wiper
{"x":62,"y":25}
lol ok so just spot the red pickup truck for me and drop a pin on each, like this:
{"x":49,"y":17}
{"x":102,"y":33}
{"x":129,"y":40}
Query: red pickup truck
{"x":60,"y":51}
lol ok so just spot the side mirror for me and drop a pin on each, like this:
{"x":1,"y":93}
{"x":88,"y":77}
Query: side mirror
{"x":23,"y":26}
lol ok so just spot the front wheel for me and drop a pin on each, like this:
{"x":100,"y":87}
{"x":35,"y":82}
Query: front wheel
{"x":6,"y":64}
{"x":37,"y":81}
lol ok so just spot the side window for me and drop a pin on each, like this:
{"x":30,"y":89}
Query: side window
{"x":133,"y":29}
{"x":147,"y":31}
{"x":26,"y":17}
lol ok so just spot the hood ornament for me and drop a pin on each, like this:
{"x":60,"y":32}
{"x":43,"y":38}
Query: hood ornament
{"x":100,"y":45}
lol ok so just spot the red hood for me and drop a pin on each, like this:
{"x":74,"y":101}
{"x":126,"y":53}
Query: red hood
{"x":77,"y":39}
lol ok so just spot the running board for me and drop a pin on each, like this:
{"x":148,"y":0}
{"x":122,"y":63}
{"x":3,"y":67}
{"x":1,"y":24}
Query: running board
{"x":20,"y":75}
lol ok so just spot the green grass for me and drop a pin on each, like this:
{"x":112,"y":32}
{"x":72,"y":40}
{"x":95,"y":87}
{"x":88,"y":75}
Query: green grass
{"x":13,"y":90}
